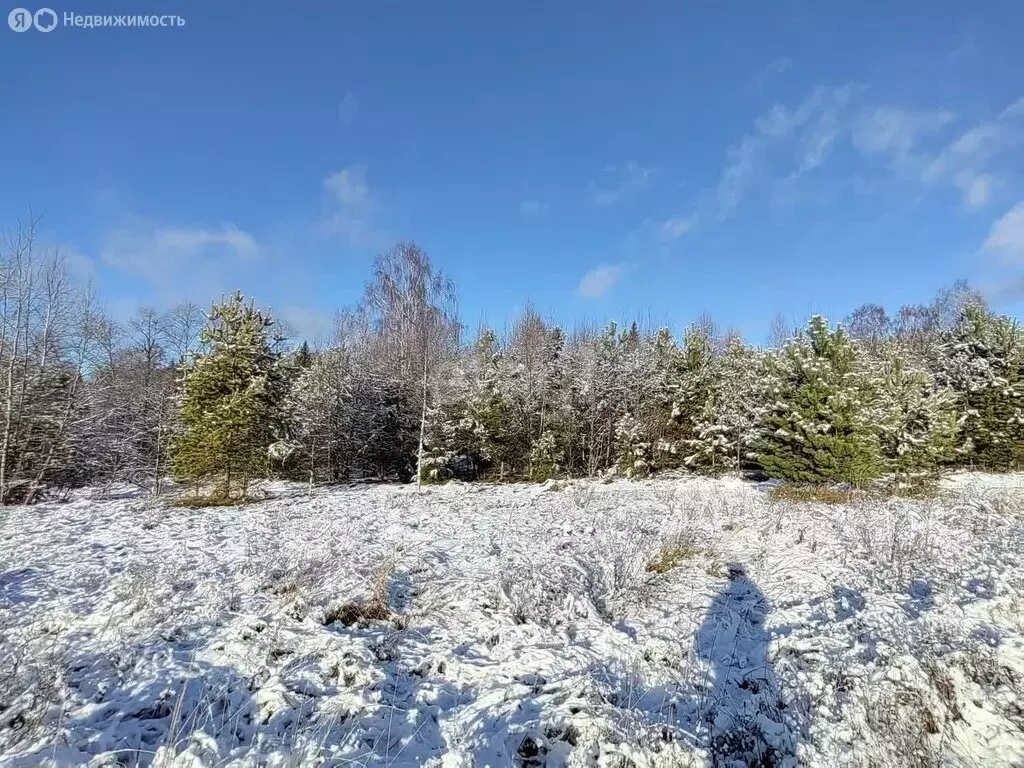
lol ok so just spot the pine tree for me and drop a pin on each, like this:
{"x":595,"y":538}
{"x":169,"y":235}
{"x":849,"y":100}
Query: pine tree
{"x":303,"y":357}
{"x":232,"y":393}
{"x":691,"y":384}
{"x":817,"y":429}
{"x":915,"y":419}
{"x":726,"y":428}
{"x":982,"y":360}
{"x":632,"y":448}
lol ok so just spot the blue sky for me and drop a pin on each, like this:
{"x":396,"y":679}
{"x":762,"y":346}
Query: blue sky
{"x":599,"y":159}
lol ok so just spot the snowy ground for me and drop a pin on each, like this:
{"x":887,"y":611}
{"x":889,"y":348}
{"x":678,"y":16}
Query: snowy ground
{"x":516,"y":626}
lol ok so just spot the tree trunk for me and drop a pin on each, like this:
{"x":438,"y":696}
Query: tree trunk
{"x":9,"y":406}
{"x":423,"y":427}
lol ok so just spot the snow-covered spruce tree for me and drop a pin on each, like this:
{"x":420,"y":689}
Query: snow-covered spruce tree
{"x":231,"y":401}
{"x":982,"y":360}
{"x":726,"y":428}
{"x":473,"y":432}
{"x":632,"y":448}
{"x":691,"y":381}
{"x":817,"y":426}
{"x":915,"y":420}
{"x":548,"y":450}
{"x":545,"y":457}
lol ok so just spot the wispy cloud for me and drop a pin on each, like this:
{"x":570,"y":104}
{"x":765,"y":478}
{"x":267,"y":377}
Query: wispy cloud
{"x":307,"y":323}
{"x":598,"y":281}
{"x":1007,"y":291}
{"x":82,"y":267}
{"x":348,"y":109}
{"x":778,"y":65}
{"x":1006,"y":238}
{"x":896,"y":131}
{"x":533,"y":208}
{"x":182,"y":261}
{"x":675,"y":227}
{"x":790,"y":142}
{"x":353,"y":208}
{"x":785,"y":143}
{"x":775,"y":68}
{"x":967,"y":161}
{"x":620,"y":182}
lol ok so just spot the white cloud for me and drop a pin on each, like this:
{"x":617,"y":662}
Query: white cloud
{"x":1006,"y":238}
{"x":897,"y":131}
{"x":1008,"y":291}
{"x":738,"y":174}
{"x":787,"y":143}
{"x":598,"y":281}
{"x":966,"y":162}
{"x":151,"y":254}
{"x":531,"y":208}
{"x":182,"y":262}
{"x":976,"y":189}
{"x":306,"y":323}
{"x":348,"y":186}
{"x":631,"y":179}
{"x":348,"y":109}
{"x":80,"y":266}
{"x":784,"y":144}
{"x":353,"y":208}
{"x":676,"y":226}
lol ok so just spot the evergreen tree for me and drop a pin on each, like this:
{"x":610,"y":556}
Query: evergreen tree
{"x":816,"y":428}
{"x":982,"y":360}
{"x":303,"y":357}
{"x":691,"y":384}
{"x":232,"y":393}
{"x":726,"y":428}
{"x":915,"y":420}
{"x":632,"y":448}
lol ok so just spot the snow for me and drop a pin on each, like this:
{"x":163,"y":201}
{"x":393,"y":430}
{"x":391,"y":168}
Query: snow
{"x":525,"y":628}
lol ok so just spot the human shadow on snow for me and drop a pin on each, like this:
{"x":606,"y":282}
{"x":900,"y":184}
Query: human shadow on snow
{"x":747,"y":717}
{"x":737,"y":713}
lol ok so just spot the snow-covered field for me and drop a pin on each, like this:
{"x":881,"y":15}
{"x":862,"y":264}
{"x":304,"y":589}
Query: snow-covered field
{"x":672,"y":622}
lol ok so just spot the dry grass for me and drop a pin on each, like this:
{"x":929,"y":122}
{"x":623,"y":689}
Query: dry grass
{"x":376,"y":607}
{"x":815,"y":493}
{"x":922,"y":490}
{"x":203,"y":502}
{"x":1009,"y":503}
{"x":672,"y":555}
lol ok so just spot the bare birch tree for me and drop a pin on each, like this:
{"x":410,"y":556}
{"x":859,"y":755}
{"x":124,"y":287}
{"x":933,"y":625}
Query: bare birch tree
{"x":411,"y":310}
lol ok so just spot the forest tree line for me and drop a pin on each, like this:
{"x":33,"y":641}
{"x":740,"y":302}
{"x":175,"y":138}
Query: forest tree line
{"x":220,"y":398}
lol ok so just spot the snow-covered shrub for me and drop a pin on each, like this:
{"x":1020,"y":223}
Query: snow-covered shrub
{"x":545,"y":458}
{"x":633,"y":451}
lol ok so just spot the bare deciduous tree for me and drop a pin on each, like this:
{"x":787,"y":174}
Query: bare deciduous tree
{"x":411,"y":310}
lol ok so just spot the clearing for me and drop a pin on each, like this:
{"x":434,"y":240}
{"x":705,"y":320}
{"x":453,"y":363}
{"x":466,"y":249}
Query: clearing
{"x":670,"y":622}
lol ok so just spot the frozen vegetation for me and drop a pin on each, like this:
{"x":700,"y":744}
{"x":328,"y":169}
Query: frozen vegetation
{"x":668,"y":622}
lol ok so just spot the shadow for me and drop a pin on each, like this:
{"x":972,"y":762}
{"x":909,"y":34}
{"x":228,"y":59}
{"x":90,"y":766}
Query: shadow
{"x":19,"y":587}
{"x":748,"y":720}
{"x":535,"y":721}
